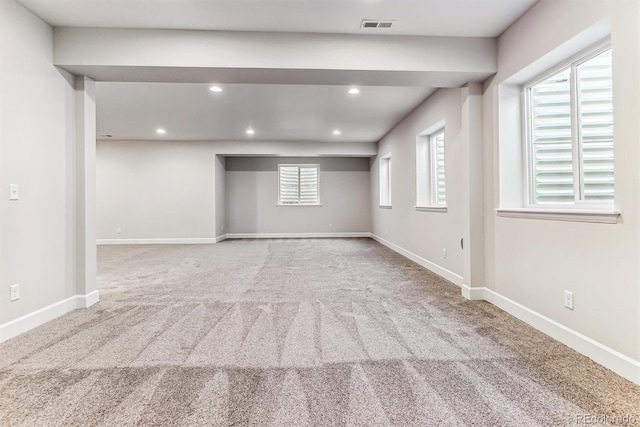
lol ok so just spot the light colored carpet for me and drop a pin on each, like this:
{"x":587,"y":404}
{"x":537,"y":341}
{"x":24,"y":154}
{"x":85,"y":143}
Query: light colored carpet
{"x":293,"y":333}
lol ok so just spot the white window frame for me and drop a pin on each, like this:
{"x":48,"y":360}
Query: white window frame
{"x":426,"y":169}
{"x":317,"y":167}
{"x":578,"y":204}
{"x":384,"y":168}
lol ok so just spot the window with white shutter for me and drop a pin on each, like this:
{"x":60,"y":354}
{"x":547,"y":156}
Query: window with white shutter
{"x":430,"y":169}
{"x":299,"y":185}
{"x":438,"y":190}
{"x":385,"y":181}
{"x":569,"y":119}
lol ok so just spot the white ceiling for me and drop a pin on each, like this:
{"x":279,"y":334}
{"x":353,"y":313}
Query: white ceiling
{"x":133,"y":111}
{"x":282,"y":110}
{"x":463,"y":18}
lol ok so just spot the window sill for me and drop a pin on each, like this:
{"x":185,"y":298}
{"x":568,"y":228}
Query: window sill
{"x":441,"y":209}
{"x":576,"y":215}
{"x":385,"y":206}
{"x":299,"y":205}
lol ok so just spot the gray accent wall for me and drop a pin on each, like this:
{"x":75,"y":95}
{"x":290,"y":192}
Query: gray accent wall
{"x":252,"y":197}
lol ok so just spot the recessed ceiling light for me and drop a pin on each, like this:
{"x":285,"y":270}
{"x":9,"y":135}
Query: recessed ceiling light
{"x":354,"y":91}
{"x":215,"y":89}
{"x":161,"y":131}
{"x":250,"y":131}
{"x":337,"y":132}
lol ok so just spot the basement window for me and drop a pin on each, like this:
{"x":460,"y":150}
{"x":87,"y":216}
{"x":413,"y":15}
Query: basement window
{"x":385,"y":181}
{"x":299,"y":185}
{"x":568,"y":116}
{"x":431,"y":194}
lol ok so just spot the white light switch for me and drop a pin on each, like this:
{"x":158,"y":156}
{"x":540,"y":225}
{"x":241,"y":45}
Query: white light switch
{"x":15,"y":292}
{"x":14,"y":192}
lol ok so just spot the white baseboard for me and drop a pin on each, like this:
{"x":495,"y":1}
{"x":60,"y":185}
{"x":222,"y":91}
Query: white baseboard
{"x":473,"y":294}
{"x":161,"y":241}
{"x":440,"y":271}
{"x":607,"y":357}
{"x":208,"y":240}
{"x":295,"y":235}
{"x":86,"y":301}
{"x":46,"y":314}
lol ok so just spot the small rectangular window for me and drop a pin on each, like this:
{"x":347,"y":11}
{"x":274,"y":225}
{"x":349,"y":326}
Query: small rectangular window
{"x":569,"y":118}
{"x":385,"y":181}
{"x":298,"y":185}
{"x":430,"y":170}
{"x":436,"y":149}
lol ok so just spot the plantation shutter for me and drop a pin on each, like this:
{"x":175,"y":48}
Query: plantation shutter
{"x":288,"y":185}
{"x":299,"y":185}
{"x":595,"y":92}
{"x":551,"y":142}
{"x":439,"y":193}
{"x":308,"y":185}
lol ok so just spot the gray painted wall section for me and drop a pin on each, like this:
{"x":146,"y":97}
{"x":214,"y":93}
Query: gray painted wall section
{"x":252,"y":197}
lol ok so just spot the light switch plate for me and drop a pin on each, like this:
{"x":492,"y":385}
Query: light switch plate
{"x":15,"y":292}
{"x":568,"y":300}
{"x":14,"y":192}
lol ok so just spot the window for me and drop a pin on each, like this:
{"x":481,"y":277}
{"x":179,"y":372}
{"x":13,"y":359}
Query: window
{"x":430,"y":169}
{"x":385,"y":181}
{"x":298,"y":185}
{"x":569,"y":132}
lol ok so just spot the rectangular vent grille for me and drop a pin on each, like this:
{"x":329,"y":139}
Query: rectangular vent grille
{"x":373,"y":23}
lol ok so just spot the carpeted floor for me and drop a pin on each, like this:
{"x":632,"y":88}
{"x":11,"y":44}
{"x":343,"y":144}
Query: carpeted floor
{"x":292,"y":333}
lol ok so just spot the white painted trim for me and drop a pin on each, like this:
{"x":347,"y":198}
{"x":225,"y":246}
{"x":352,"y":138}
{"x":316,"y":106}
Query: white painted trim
{"x":609,"y":358}
{"x":619,"y":363}
{"x":221,"y":238}
{"x":472,"y":293}
{"x":86,"y":301}
{"x":603,"y":217}
{"x":441,"y":271}
{"x":46,"y":314}
{"x":440,"y":209}
{"x":299,"y":205}
{"x":296,"y":235}
{"x":167,"y":241}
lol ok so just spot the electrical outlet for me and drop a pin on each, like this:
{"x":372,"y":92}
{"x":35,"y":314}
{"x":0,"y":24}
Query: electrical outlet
{"x":119,"y":230}
{"x":330,"y":225}
{"x":14,"y":192}
{"x":222,"y":227}
{"x":15,"y":292}
{"x":444,"y":252}
{"x":568,"y":300}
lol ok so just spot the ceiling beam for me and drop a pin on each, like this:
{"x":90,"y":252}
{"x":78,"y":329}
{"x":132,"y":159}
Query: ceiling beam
{"x":272,"y":58}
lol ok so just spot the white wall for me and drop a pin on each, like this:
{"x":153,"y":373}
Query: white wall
{"x":532,"y":262}
{"x":220,"y":196}
{"x":425,"y":234}
{"x":37,"y":136}
{"x":155,"y":189}
{"x":252,"y":197}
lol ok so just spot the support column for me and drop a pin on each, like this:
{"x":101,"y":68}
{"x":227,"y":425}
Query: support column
{"x":473,"y":216}
{"x":86,"y":250}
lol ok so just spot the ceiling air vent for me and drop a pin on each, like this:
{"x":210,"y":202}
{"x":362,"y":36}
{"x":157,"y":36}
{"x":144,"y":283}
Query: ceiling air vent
{"x":375,"y":23}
